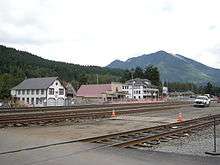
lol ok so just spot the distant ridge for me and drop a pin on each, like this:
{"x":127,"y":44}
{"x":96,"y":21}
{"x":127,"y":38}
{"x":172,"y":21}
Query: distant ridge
{"x":172,"y":67}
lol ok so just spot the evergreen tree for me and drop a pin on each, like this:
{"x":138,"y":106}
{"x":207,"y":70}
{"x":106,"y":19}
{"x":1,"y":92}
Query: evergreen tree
{"x":151,"y":73}
{"x":209,"y":88}
{"x":138,"y":73}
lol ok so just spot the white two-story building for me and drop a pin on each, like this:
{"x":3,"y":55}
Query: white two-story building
{"x":140,"y":89}
{"x":46,"y":91}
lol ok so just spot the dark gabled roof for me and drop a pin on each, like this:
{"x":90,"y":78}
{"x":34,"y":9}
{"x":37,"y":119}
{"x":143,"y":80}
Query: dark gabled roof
{"x":138,"y":82}
{"x":36,"y":83}
{"x":70,"y":89}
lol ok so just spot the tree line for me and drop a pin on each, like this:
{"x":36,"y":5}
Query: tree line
{"x":149,"y":72}
{"x":17,"y":65}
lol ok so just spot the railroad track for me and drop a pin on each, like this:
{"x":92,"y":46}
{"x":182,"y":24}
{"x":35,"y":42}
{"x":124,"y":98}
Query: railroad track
{"x":140,"y":138}
{"x":149,"y":137}
{"x":39,"y":117}
{"x":77,"y":107}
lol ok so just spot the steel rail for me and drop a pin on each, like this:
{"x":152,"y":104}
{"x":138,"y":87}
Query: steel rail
{"x":164,"y":131}
{"x":116,"y":134}
{"x":36,"y":109}
{"x":45,"y":117}
{"x":136,"y":109}
{"x":157,"y":137}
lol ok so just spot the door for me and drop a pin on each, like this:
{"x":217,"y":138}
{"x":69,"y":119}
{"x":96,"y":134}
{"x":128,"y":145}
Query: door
{"x":51,"y":102}
{"x":60,"y":102}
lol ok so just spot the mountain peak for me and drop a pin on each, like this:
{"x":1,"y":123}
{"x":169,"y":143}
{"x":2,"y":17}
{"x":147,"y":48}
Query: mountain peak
{"x":172,"y":67}
{"x":161,"y":52}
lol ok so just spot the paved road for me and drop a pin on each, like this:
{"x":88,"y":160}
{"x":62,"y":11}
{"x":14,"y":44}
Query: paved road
{"x":87,"y":154}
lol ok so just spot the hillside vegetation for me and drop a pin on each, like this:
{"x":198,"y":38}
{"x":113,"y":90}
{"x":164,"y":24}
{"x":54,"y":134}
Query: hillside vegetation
{"x":173,"y":68}
{"x":17,"y":65}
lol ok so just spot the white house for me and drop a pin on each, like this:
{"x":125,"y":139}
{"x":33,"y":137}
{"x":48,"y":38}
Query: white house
{"x":140,"y":89}
{"x":47,"y":91}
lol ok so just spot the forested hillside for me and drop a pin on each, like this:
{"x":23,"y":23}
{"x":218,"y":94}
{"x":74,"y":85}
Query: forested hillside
{"x":16,"y":65}
{"x":173,"y":67}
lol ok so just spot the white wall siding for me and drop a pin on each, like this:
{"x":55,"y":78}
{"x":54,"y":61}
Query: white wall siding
{"x":42,"y":97}
{"x":56,"y":86}
{"x":27,"y":97}
{"x":139,"y":92}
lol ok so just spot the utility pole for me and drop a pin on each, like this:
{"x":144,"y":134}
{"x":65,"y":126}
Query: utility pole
{"x":214,"y":139}
{"x":132,"y":89}
{"x":97,"y":78}
{"x":214,"y":134}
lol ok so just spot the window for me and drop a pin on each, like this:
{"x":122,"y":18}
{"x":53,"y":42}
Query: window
{"x":124,"y":87}
{"x":37,"y":100}
{"x":32,"y":100}
{"x":19,"y":92}
{"x":23,"y":99}
{"x":28,"y":91}
{"x":51,"y":91}
{"x":61,"y":91}
{"x":32,"y":91}
{"x":37,"y":92}
{"x":41,"y":100}
{"x":28,"y":100}
{"x":23,"y":92}
{"x":56,"y":83}
{"x":18,"y":98}
{"x":42,"y":91}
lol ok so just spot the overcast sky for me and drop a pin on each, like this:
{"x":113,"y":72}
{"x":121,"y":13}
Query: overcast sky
{"x":96,"y":32}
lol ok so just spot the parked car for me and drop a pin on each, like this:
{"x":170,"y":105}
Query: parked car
{"x":202,"y":101}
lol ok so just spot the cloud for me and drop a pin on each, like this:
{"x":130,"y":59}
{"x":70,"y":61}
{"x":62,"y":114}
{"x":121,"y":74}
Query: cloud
{"x":215,"y":49}
{"x":97,"y":32}
{"x":212,"y":27}
{"x":167,"y":6}
{"x":21,"y":23}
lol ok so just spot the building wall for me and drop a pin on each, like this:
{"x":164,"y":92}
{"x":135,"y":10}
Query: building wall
{"x":56,"y":96}
{"x":36,"y":98}
{"x":116,"y":86}
{"x":33,"y":97}
{"x":139,"y":92}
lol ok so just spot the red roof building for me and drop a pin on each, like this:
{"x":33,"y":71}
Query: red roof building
{"x":93,"y":90}
{"x":103,"y":92}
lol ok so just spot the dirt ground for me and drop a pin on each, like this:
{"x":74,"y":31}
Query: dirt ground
{"x":23,"y":137}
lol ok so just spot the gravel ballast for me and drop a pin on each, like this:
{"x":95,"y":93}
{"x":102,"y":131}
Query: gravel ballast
{"x":195,"y":144}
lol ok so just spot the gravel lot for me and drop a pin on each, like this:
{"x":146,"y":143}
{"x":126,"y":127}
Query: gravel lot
{"x":22,"y":137}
